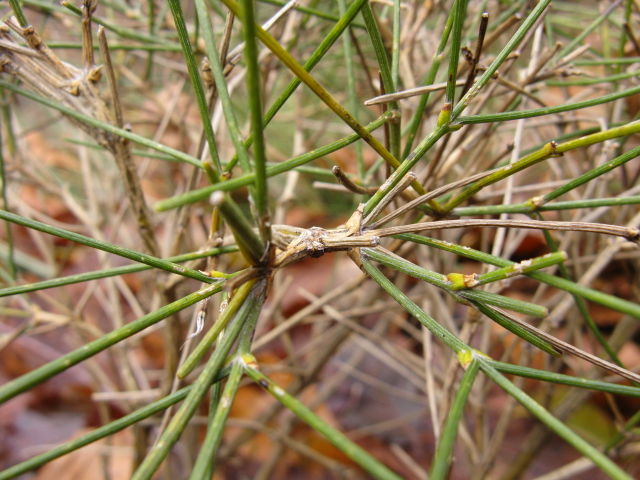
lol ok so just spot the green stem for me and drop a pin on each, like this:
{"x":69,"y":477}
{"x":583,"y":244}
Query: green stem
{"x":597,"y":457}
{"x":11,"y":261}
{"x":110,"y":272}
{"x":390,"y":86}
{"x":215,"y":428}
{"x":444,"y":452}
{"x":538,"y":112}
{"x":335,"y":33}
{"x":261,"y":192}
{"x":347,"y":447}
{"x":177,"y":154}
{"x":249,"y":310}
{"x":596,"y":296}
{"x":235,"y":183}
{"x":39,"y":375}
{"x":438,"y":330}
{"x":459,"y":14}
{"x":196,"y":81}
{"x":528,"y":207}
{"x":107,"y":247}
{"x":500,"y":58}
{"x":17,"y":11}
{"x":316,"y":88}
{"x":212,"y":335}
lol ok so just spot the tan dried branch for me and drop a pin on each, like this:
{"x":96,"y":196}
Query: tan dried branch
{"x":42,"y":71}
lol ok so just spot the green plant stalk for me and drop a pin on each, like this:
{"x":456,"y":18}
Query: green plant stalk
{"x":261,"y":192}
{"x":538,"y":112}
{"x":527,"y":207}
{"x":501,"y":301}
{"x":499,"y":60}
{"x":548,"y":151}
{"x":205,"y":344}
{"x":444,"y":452}
{"x":107,"y":247}
{"x":600,"y":298}
{"x":606,"y":61}
{"x":215,"y":428}
{"x":347,"y":47}
{"x":562,"y":379}
{"x":390,"y":86}
{"x":595,"y":173}
{"x":405,"y":167}
{"x":442,"y":281}
{"x":438,"y":330}
{"x":588,"y":30}
{"x":11,"y":261}
{"x":416,"y":120}
{"x":591,"y":81}
{"x":395,"y":48}
{"x":214,"y":400}
{"x":235,"y":183}
{"x":221,"y":87}
{"x":246,"y":314}
{"x":320,"y":92}
{"x":39,"y":375}
{"x":582,"y":307}
{"x":177,"y":154}
{"x":17,"y":11}
{"x":347,"y":447}
{"x":516,"y":329}
{"x":219,"y":416}
{"x":526,"y":266}
{"x":251,"y":247}
{"x":597,"y":457}
{"x":335,"y":33}
{"x":196,"y":82}
{"x":459,"y":14}
{"x":110,"y":272}
{"x":552,"y":149}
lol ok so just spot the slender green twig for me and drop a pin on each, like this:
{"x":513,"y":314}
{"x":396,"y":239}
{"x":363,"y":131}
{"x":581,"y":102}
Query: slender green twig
{"x":562,"y":379}
{"x":390,"y":85}
{"x":597,"y":457}
{"x":529,"y":206}
{"x":221,"y":87}
{"x":215,"y":427}
{"x":110,"y":272}
{"x":416,"y":120}
{"x":324,"y":46}
{"x":248,"y":312}
{"x":500,"y":58}
{"x":321,"y":93}
{"x":196,"y":81}
{"x":107,"y":247}
{"x":11,"y":262}
{"x":459,"y":10}
{"x":261,"y":192}
{"x":203,"y":193}
{"x":177,"y":154}
{"x":568,"y":107}
{"x":444,"y":452}
{"x":346,"y":446}
{"x":438,"y":330}
{"x":17,"y":11}
{"x":205,"y":344}
{"x":39,"y":375}
{"x":596,"y":296}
